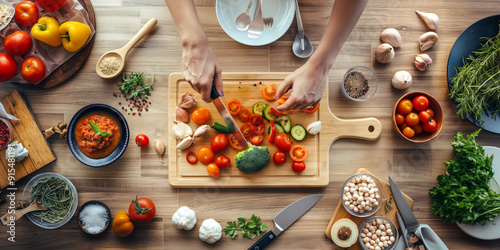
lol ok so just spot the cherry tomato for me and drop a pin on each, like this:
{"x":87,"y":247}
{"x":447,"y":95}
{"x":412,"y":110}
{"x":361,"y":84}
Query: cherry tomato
{"x":255,"y":119}
{"x":8,"y":67}
{"x":256,"y":139}
{"x":26,"y":13}
{"x":408,"y":132}
{"x":430,"y":126}
{"x":269,"y":91}
{"x":246,"y":130}
{"x":402,"y":127}
{"x":281,"y":101}
{"x":206,"y":155}
{"x":213,"y":170}
{"x":424,"y":116}
{"x":200,"y":116}
{"x":33,"y":70}
{"x":430,"y":111}
{"x":141,"y":210}
{"x":259,"y":129}
{"x":142,"y":140}
{"x":51,"y":5}
{"x":418,"y":128}
{"x":404,"y":106}
{"x":282,"y":142}
{"x":400,"y":119}
{"x":234,"y":143}
{"x":420,"y":103}
{"x":412,"y":119}
{"x":298,"y":153}
{"x":18,"y":43}
{"x":311,"y":110}
{"x":190,"y":159}
{"x":219,"y":143}
{"x":244,"y":114}
{"x":298,"y":166}
{"x":279,"y":157}
{"x":222,"y":161}
{"x":233,"y":106}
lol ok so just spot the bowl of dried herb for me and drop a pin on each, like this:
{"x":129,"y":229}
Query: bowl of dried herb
{"x":359,"y":83}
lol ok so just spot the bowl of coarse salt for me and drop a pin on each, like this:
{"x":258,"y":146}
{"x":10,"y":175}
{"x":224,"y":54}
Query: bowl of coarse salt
{"x":94,"y":217}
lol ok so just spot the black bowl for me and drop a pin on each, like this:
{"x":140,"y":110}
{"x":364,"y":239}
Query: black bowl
{"x":93,"y":202}
{"x":466,"y":43}
{"x":119,"y":150}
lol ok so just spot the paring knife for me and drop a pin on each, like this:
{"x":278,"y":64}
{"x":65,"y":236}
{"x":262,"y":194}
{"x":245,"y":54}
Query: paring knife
{"x":286,"y":218}
{"x":228,"y":119}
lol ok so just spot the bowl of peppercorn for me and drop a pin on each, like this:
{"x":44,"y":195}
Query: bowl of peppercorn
{"x":359,"y":83}
{"x":5,"y":133}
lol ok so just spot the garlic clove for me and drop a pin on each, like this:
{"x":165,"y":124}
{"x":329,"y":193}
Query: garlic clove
{"x":185,"y":143}
{"x":401,"y":79}
{"x":430,"y":19}
{"x":392,"y":37}
{"x":201,"y":130}
{"x":384,"y":53}
{"x":422,"y":61}
{"x":186,"y":129}
{"x":314,"y":128}
{"x":181,"y":114}
{"x":428,"y":40}
{"x":177,"y":132}
{"x":187,"y":101}
{"x":159,"y":148}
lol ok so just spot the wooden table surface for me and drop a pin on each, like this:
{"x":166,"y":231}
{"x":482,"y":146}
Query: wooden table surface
{"x":139,"y":172}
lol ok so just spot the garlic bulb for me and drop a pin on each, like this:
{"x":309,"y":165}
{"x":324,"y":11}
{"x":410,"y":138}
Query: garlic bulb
{"x":181,"y":114}
{"x":392,"y":37}
{"x":422,"y":61}
{"x":401,"y":79}
{"x":187,"y":101}
{"x":185,"y":143}
{"x":384,"y":53}
{"x":200,"y":131}
{"x":314,"y":128}
{"x":430,"y":19}
{"x":181,"y":130}
{"x":428,"y":40}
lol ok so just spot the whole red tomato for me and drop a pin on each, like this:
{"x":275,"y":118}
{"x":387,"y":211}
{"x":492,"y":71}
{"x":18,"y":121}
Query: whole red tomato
{"x":298,"y":166}
{"x":219,"y":143}
{"x":412,"y":119}
{"x":18,"y":43}
{"x":206,"y":155}
{"x":404,"y":106}
{"x":33,"y":70}
{"x":51,"y":5}
{"x":430,"y":126}
{"x":420,"y":103}
{"x":142,"y":140}
{"x":424,"y":116}
{"x":279,"y":157}
{"x":8,"y":67}
{"x":141,"y":210}
{"x":222,"y":161}
{"x":282,"y":142}
{"x":26,"y":13}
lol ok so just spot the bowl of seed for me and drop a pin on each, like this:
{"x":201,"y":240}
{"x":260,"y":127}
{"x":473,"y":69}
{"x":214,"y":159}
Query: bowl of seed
{"x":359,"y":83}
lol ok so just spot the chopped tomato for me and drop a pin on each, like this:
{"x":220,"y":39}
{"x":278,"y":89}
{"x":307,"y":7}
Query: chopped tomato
{"x":233,"y":106}
{"x":255,"y":119}
{"x":281,"y":101}
{"x":246,"y":130}
{"x":234,"y":143}
{"x":193,"y":159}
{"x":269,"y":91}
{"x":259,"y":129}
{"x":256,"y":139}
{"x":298,"y":153}
{"x":244,"y":114}
{"x":311,"y":110}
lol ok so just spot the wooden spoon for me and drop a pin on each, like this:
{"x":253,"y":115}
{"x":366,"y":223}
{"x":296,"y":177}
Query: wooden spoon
{"x":34,"y":206}
{"x":122,"y":52}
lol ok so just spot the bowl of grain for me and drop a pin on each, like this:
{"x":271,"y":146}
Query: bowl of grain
{"x":359,"y":83}
{"x":362,"y":195}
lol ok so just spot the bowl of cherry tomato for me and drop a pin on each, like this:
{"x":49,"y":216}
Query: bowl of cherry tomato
{"x":417,"y":117}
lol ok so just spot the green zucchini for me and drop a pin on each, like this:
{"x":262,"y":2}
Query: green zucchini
{"x":268,"y":115}
{"x":258,"y":107}
{"x":285,"y":122}
{"x":221,"y":128}
{"x":298,"y":132}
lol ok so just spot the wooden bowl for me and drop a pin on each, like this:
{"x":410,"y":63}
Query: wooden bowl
{"x":438,"y":116}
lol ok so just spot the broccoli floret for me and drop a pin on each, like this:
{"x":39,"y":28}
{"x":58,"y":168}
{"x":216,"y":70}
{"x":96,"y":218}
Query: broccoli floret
{"x":252,"y":159}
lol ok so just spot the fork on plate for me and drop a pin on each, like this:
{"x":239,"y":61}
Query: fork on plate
{"x":268,"y":22}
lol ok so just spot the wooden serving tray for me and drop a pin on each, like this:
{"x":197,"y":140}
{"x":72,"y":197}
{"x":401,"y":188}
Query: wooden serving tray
{"x":340,"y":211}
{"x":246,"y":87}
{"x":27,"y":132}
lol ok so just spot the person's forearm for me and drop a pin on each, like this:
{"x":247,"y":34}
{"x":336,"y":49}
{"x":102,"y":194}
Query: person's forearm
{"x":186,"y":20}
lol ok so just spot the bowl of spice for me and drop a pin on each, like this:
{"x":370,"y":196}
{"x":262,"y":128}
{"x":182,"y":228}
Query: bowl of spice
{"x":378,"y":232}
{"x":94,"y":217}
{"x":6,"y":13}
{"x":362,"y":195}
{"x":5,"y":133}
{"x":359,"y":83}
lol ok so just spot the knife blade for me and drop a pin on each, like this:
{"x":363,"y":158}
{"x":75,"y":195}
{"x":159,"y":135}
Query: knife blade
{"x":404,"y":231}
{"x":228,"y":119}
{"x":409,"y":218}
{"x":285,"y":218}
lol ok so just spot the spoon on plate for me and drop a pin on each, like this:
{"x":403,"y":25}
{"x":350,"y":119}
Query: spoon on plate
{"x":116,"y":58}
{"x":34,"y":206}
{"x":243,"y":20}
{"x":301,"y":46}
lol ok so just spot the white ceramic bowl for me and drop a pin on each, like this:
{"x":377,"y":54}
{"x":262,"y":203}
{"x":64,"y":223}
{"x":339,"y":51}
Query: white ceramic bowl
{"x":11,"y":13}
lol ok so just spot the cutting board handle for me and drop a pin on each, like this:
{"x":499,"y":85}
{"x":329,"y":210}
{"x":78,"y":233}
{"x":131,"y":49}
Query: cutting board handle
{"x":364,"y":128}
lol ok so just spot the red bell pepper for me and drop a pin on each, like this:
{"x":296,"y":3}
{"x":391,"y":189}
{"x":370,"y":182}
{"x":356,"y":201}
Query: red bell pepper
{"x":274,"y":111}
{"x":273,"y":132}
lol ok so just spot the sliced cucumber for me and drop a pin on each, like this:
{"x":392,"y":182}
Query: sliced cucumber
{"x":298,"y":132}
{"x":258,"y":107}
{"x":285,"y":122}
{"x":268,"y":115}
{"x":279,"y":129}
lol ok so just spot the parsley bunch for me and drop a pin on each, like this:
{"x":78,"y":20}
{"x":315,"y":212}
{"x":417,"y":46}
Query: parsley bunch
{"x":253,"y":226}
{"x":464,"y":193}
{"x":134,"y":85}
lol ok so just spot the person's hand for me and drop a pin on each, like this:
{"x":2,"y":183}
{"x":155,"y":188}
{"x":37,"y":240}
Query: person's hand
{"x":307,"y":84}
{"x":201,"y":69}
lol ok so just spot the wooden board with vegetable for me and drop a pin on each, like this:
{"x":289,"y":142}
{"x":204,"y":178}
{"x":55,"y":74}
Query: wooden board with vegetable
{"x":247,"y":89}
{"x":388,"y":212}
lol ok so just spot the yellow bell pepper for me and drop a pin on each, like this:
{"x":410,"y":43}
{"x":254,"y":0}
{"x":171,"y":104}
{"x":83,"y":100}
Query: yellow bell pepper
{"x":47,"y":31}
{"x":122,"y":226}
{"x":74,"y":35}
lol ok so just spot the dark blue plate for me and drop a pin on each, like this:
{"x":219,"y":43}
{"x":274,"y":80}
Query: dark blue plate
{"x":119,"y":150}
{"x":466,"y":43}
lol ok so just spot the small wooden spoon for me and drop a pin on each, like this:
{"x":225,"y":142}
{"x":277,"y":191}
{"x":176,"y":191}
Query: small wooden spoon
{"x":34,"y":206}
{"x":122,"y":52}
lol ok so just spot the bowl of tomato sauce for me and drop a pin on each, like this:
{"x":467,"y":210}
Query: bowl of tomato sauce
{"x":98,"y":135}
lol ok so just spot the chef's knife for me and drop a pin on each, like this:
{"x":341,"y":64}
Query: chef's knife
{"x":286,"y":218}
{"x":228,"y":119}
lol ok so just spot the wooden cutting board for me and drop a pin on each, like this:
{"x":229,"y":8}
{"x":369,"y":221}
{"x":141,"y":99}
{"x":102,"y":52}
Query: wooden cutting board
{"x":340,"y":211}
{"x":246,"y":87}
{"x":27,"y":132}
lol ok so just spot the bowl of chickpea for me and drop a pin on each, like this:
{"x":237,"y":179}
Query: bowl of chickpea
{"x":362,"y":195}
{"x":378,"y":233}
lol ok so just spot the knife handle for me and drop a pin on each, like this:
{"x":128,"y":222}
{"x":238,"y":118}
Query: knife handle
{"x":213,"y":93}
{"x":264,"y":241}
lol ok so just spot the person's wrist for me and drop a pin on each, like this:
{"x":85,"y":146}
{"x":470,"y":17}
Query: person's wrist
{"x":321,"y":64}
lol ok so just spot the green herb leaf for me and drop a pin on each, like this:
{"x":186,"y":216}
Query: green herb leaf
{"x":133,"y":85}
{"x":104,"y":134}
{"x":96,"y":128}
{"x":248,"y":229}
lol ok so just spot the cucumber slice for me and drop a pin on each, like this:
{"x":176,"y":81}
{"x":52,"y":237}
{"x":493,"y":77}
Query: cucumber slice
{"x":258,"y":107}
{"x":285,"y":122}
{"x":298,"y":132}
{"x":279,"y":129}
{"x":268,"y":115}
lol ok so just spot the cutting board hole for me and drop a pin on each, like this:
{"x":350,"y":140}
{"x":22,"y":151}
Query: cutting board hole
{"x":371,"y":128}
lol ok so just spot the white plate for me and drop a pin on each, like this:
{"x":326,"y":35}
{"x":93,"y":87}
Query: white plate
{"x":282,"y":11}
{"x":488,"y":231}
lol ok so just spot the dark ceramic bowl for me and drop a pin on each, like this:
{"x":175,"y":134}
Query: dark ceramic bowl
{"x":108,"y":212}
{"x":119,"y":150}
